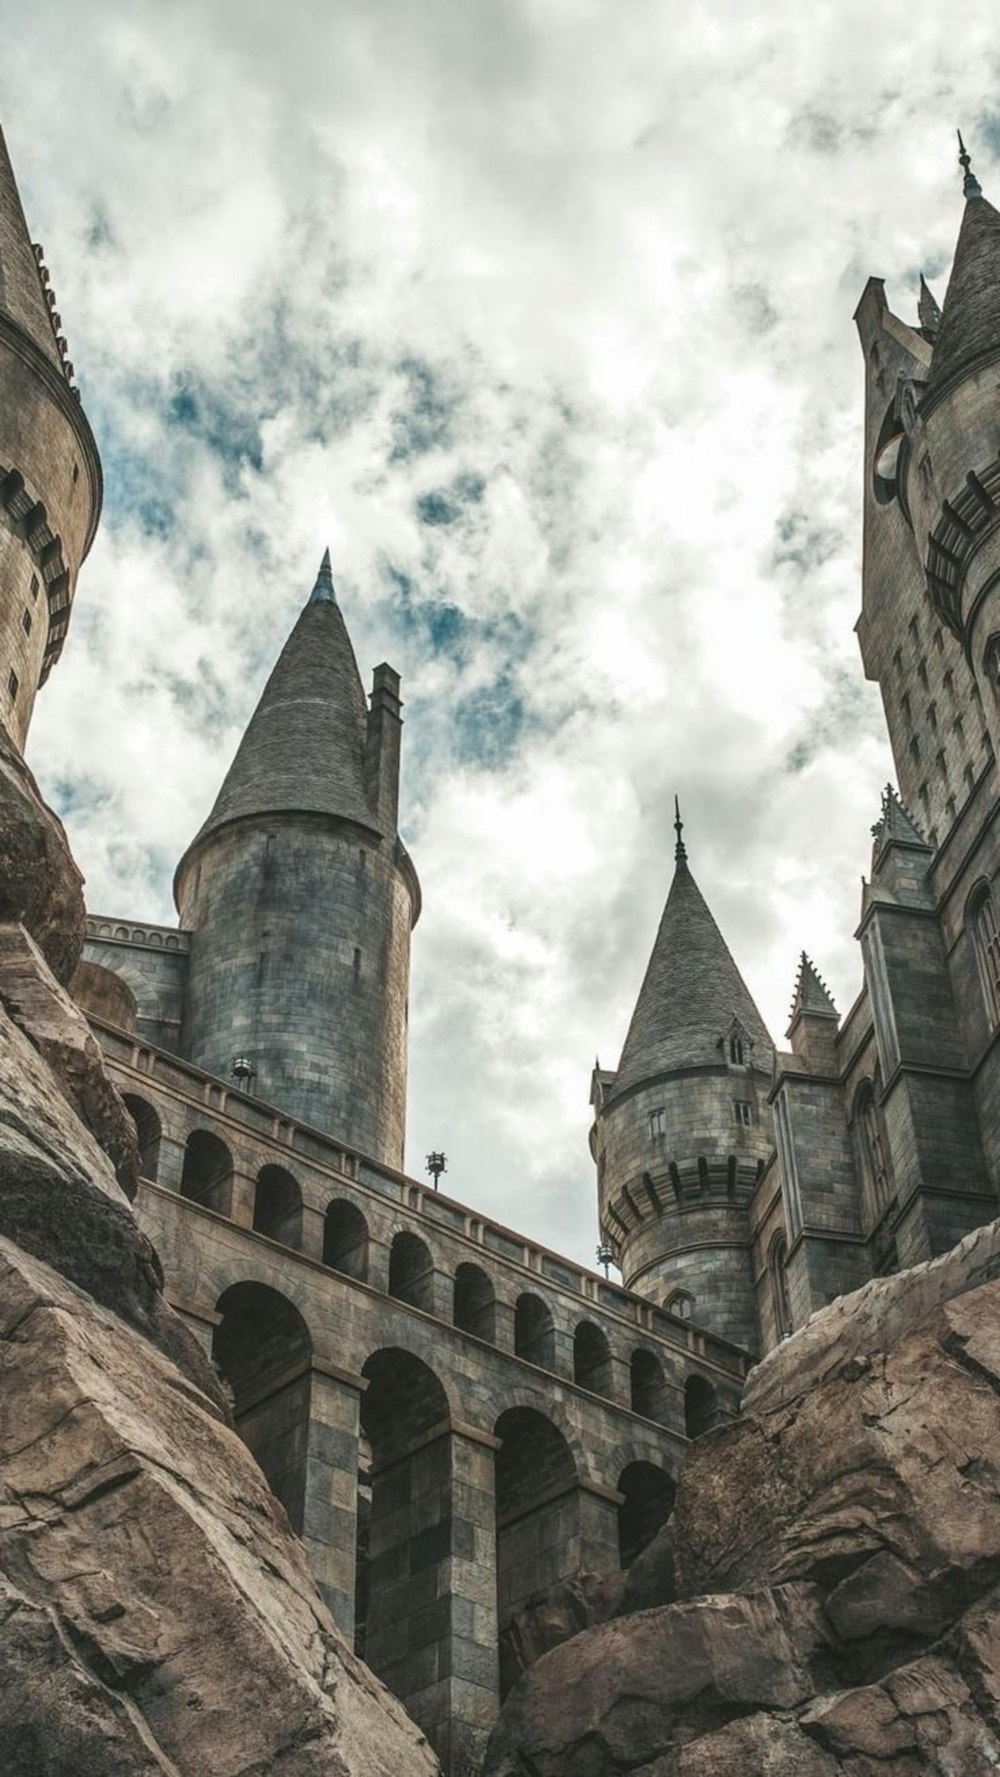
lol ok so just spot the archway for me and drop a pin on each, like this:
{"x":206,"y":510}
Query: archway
{"x":277,"y":1206}
{"x":345,"y":1240}
{"x":537,"y":1511}
{"x":701,"y":1406}
{"x":592,"y":1360}
{"x":411,"y":1272}
{"x":148,"y":1131}
{"x":263,"y":1350}
{"x":207,"y":1175}
{"x":649,"y":1500}
{"x":475,"y":1303}
{"x":534,"y":1332}
{"x":648,"y":1388}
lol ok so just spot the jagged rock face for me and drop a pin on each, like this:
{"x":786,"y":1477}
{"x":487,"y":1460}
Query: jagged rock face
{"x":40,"y":885}
{"x":156,"y":1613}
{"x":845,"y":1530}
{"x":554,"y":1615}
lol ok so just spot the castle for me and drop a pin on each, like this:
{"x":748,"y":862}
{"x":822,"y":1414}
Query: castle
{"x":453,"y":1416}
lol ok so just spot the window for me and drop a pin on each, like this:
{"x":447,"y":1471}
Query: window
{"x":925,"y":801}
{"x":982,"y":921}
{"x":949,"y":684}
{"x":914,"y":749}
{"x":26,"y":621}
{"x":897,"y":661}
{"x":970,"y":778}
{"x":873,"y":1149}
{"x":657,"y":1124}
{"x":743,"y":1111}
{"x":991,"y":664}
{"x":777,"y":1261}
{"x":904,"y":704}
{"x":942,"y":765}
{"x":34,"y":586}
{"x":13,"y":685}
{"x":939,"y":640}
{"x":922,"y":674}
{"x":959,"y":729}
{"x":681,"y":1304}
{"x":932,"y":717}
{"x":914,"y":629}
{"x":951,"y":807}
{"x":737,"y":1051}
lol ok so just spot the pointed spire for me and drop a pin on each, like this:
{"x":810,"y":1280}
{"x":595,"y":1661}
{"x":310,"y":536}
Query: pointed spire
{"x":896,"y":825}
{"x":811,"y":993}
{"x":969,"y":330}
{"x":970,"y":184}
{"x":304,"y":747}
{"x":928,"y":309}
{"x":690,"y":995}
{"x":324,"y":591}
{"x":680,"y":854}
{"x":23,"y":279}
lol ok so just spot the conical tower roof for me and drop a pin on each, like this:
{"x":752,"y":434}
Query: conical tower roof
{"x":970,"y":318}
{"x":690,"y":995}
{"x":811,"y":992}
{"x":22,"y":293}
{"x":303,"y":750}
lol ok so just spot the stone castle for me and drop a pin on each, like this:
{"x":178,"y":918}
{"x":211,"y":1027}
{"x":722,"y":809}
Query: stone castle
{"x":453,"y":1416}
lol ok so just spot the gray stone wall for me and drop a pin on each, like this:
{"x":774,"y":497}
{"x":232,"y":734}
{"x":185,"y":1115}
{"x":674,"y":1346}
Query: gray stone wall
{"x":300,"y":936}
{"x":153,"y":962}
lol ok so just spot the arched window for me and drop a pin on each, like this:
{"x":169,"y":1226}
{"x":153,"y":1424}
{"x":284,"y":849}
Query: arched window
{"x":991,"y":664}
{"x":148,"y":1132}
{"x":982,"y":922}
{"x":345,"y":1241}
{"x":701,"y":1406}
{"x":647,"y":1504}
{"x":592,"y":1359}
{"x":534,"y":1333}
{"x":648,"y":1391}
{"x":475,"y":1304}
{"x":681,"y":1303}
{"x":873,"y":1153}
{"x":777,"y":1260}
{"x":538,"y":1519}
{"x":411,"y":1272}
{"x":263,"y":1349}
{"x":207,"y":1175}
{"x":277,"y":1206}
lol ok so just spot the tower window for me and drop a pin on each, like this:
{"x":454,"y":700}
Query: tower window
{"x":737,"y":1051}
{"x":951,"y":807}
{"x":357,"y":962}
{"x":13,"y":685}
{"x":26,"y":621}
{"x":681,"y":1304}
{"x":959,"y":728}
{"x":922,"y":673}
{"x":949,"y":684}
{"x":76,"y":473}
{"x":657,"y":1124}
{"x":942,"y":765}
{"x":939,"y":640}
{"x":986,"y":938}
{"x":872,"y":1148}
{"x":925,"y":801}
{"x":34,"y":586}
{"x":743,"y":1111}
{"x":970,"y":778}
{"x":932,"y":717}
{"x":904,"y":704}
{"x":897,"y":661}
{"x":914,"y":749}
{"x":914,"y":628}
{"x":991,"y":664}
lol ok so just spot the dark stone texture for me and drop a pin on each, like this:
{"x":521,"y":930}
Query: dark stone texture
{"x":40,"y":885}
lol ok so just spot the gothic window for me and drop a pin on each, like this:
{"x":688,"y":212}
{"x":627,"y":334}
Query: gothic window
{"x":26,"y":621}
{"x":970,"y":778}
{"x":681,"y":1303}
{"x":34,"y":586}
{"x":983,"y":923}
{"x":777,"y":1261}
{"x":737,"y":1051}
{"x":13,"y":685}
{"x":657,"y":1123}
{"x":897,"y":661}
{"x":932,"y":717}
{"x":991,"y":664}
{"x":875,"y":1159}
{"x":959,"y":727}
{"x":922,"y":673}
{"x":914,"y":629}
{"x":904,"y":704}
{"x":942,"y":765}
{"x":925,"y":801}
{"x":914,"y":749}
{"x":743,"y":1111}
{"x":949,"y":684}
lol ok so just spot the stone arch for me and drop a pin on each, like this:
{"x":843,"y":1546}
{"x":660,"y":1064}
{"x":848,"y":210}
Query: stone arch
{"x":592,"y":1367}
{"x":869,"y":1134}
{"x":681,"y":1303}
{"x":474,"y":1302}
{"x":534,"y":1331}
{"x":538,"y":1519}
{"x":411,"y":1271}
{"x":207,"y":1174}
{"x":648,"y":1386}
{"x":701,"y":1406}
{"x":148,"y":1130}
{"x":649,"y":1493}
{"x":277,"y":1206}
{"x":345,"y":1239}
{"x":263,"y":1349}
{"x":777,"y":1260}
{"x":981,"y":924}
{"x":405,"y":1528}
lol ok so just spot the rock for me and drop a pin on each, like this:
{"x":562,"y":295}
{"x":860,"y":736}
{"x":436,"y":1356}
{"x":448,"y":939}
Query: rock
{"x":652,"y":1577}
{"x":57,"y":1028}
{"x":554,"y":1615}
{"x":157,"y":1615}
{"x":100,"y":993}
{"x":40,"y":885}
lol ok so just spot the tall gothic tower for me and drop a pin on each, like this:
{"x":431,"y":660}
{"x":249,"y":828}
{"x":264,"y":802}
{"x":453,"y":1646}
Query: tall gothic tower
{"x":682,"y":1129}
{"x":300,"y":896}
{"x":50,"y":473}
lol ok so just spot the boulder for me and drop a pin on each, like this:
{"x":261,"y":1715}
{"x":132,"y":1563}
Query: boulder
{"x":157,"y":1614}
{"x":40,"y":885}
{"x":554,"y":1615}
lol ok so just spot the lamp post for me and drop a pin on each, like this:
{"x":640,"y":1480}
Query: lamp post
{"x":436,"y":1165}
{"x":605,"y":1256}
{"x":242,"y":1070}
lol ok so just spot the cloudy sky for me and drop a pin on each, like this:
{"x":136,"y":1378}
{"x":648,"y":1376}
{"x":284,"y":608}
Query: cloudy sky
{"x":539,"y":312}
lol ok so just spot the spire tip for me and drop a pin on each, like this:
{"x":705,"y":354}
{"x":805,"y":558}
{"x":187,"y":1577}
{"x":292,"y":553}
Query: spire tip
{"x":324,"y":593}
{"x":970,"y":184}
{"x":680,"y":852}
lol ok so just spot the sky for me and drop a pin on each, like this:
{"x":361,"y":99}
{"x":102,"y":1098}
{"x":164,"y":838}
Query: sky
{"x":539,"y":314}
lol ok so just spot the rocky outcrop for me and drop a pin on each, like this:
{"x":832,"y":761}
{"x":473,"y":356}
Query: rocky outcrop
{"x":847,"y":1529}
{"x":554,"y":1615}
{"x":40,"y":885}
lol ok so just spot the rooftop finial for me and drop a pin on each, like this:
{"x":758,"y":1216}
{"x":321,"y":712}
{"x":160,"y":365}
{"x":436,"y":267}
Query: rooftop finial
{"x":680,"y":854}
{"x":970,"y":184}
{"x":323,"y":592}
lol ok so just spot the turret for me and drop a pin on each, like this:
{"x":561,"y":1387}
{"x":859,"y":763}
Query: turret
{"x":50,"y":473}
{"x":300,"y":896}
{"x":682,"y":1127}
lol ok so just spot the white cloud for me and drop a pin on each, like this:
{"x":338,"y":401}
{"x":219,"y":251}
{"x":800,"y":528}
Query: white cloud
{"x":598,"y":262}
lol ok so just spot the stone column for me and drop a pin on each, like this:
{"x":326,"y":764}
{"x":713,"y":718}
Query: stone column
{"x":330,"y":1497}
{"x":597,"y":1508}
{"x":242,"y":1192}
{"x":170,"y":1165}
{"x":311,"y":1233}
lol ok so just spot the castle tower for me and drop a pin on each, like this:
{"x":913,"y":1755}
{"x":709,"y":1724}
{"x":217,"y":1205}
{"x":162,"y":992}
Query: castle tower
{"x":932,"y":523}
{"x":300,"y":896}
{"x":50,"y":473}
{"x":682,"y":1129}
